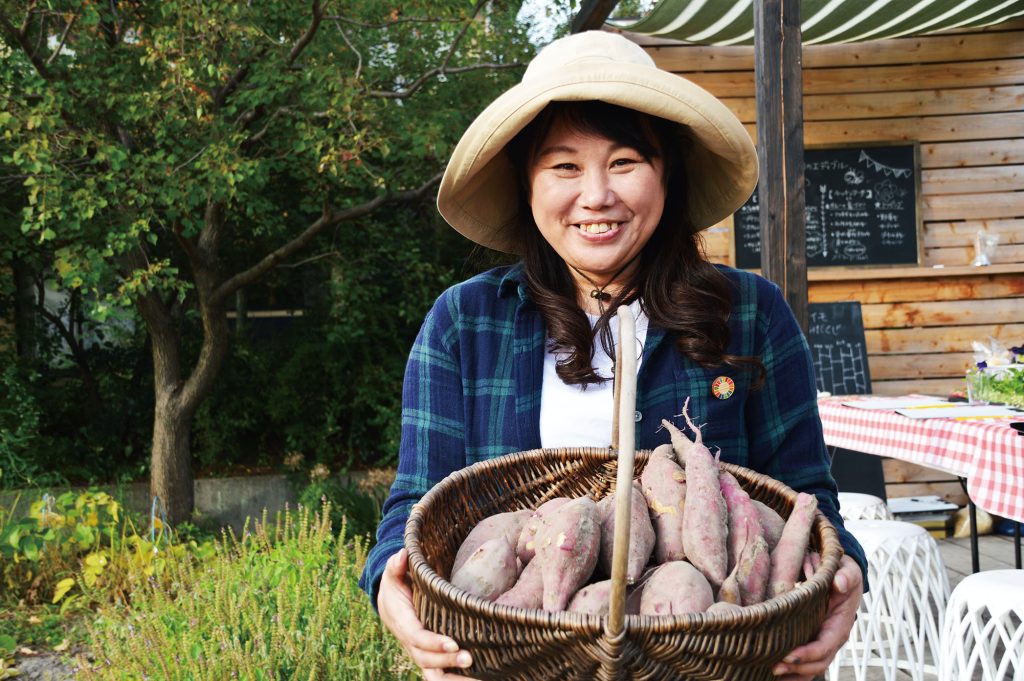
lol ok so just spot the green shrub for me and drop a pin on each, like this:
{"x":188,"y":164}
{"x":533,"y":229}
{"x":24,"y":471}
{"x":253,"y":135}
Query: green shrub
{"x":19,"y":425}
{"x":81,"y":549}
{"x":356,"y":502}
{"x":280,"y":602}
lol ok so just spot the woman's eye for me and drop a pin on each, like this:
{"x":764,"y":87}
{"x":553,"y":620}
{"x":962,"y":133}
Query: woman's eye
{"x":623,"y":162}
{"x":565,"y":166}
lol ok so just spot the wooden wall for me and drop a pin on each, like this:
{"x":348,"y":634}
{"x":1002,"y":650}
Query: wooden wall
{"x":961,"y":96}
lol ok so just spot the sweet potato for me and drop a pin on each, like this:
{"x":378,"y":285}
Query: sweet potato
{"x":788,"y":556}
{"x":490,"y":571}
{"x":593,"y":598}
{"x":664,"y":488}
{"x":681,"y":445}
{"x":508,"y":525}
{"x":676,"y":588}
{"x":705,"y":516}
{"x":641,"y":534}
{"x":729,"y":592}
{"x":528,"y":591}
{"x":812,"y":561}
{"x":567,"y":547}
{"x":744,"y":520}
{"x":722,"y":607}
{"x":753,"y":568}
{"x":771,"y":523}
{"x":525,"y":545}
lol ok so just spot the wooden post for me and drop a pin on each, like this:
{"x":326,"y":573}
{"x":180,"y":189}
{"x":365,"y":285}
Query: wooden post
{"x":778,"y":72}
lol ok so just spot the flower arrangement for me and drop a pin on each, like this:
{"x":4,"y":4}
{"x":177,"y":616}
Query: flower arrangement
{"x":998,"y":375}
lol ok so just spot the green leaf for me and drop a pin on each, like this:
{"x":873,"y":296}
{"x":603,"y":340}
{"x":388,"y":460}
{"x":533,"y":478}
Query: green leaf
{"x":7,"y":644}
{"x":63,"y":586}
{"x":30,"y":548}
{"x":84,"y":535}
{"x":14,"y":538}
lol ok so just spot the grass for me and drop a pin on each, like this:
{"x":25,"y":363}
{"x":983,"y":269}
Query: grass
{"x":280,"y":602}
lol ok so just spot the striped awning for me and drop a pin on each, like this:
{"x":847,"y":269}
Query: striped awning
{"x":731,"y":22}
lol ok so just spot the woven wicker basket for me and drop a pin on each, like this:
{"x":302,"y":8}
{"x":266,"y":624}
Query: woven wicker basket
{"x":515,"y":643}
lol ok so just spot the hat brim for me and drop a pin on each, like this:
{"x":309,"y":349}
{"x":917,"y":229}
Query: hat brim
{"x":479,"y":193}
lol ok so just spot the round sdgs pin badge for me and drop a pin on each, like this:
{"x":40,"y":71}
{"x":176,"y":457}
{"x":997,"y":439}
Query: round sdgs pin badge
{"x":723,"y":387}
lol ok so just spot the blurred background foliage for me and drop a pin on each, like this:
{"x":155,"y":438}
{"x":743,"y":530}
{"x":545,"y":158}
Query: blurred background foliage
{"x":128,"y":126}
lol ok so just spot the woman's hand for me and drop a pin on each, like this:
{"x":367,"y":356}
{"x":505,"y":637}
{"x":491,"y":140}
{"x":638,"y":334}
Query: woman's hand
{"x":432,"y":652}
{"x":812,"y":660}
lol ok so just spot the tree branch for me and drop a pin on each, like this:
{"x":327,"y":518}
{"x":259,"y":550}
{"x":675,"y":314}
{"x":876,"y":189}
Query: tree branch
{"x":112,"y":28}
{"x":19,"y":38}
{"x":462,"y":33}
{"x":220,"y":96}
{"x":258,"y":135}
{"x":387,"y":24}
{"x":246,"y":118}
{"x":328,"y":219}
{"x":186,"y":245}
{"x":208,"y":243}
{"x":418,"y":83}
{"x":189,"y":160}
{"x":28,"y":18}
{"x":78,"y":352}
{"x":307,"y":37}
{"x":443,"y":68}
{"x":306,"y":261}
{"x":359,"y":56}
{"x":66,"y":334}
{"x":63,"y":38}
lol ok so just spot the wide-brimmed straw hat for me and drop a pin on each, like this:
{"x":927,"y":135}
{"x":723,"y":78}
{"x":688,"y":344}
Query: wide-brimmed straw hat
{"x":479,"y":194}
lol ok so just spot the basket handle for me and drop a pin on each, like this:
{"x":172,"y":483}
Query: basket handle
{"x":625,"y":439}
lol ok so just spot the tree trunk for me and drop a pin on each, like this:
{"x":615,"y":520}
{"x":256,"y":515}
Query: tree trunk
{"x":177,"y":397}
{"x":171,"y":476}
{"x":177,"y":400}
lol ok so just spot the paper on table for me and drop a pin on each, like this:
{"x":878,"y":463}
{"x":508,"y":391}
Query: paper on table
{"x":964,"y":411}
{"x":925,"y":504}
{"x":891,"y":403}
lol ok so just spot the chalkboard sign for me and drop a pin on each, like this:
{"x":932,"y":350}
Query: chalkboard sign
{"x":861,"y":209}
{"x":836,"y":336}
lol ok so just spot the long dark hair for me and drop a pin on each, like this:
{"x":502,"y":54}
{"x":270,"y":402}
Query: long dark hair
{"x":680,"y":291}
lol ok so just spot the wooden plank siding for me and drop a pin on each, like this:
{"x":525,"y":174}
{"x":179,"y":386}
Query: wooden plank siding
{"x":960,"y":94}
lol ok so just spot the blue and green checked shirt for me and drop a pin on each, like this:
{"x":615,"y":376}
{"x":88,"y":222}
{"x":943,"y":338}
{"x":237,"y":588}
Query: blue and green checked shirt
{"x":473,"y":385}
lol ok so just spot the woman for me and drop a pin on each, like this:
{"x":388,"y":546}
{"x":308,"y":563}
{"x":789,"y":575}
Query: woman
{"x":599,"y":170}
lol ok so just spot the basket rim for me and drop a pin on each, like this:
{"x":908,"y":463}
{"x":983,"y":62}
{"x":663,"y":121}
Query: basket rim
{"x":748,"y":616}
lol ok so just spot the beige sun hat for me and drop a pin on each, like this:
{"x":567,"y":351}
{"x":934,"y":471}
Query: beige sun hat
{"x":479,"y":192}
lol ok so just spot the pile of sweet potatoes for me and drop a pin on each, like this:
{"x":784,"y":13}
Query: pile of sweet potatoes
{"x":698,"y":543}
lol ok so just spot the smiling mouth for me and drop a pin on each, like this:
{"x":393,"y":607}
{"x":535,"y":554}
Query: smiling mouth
{"x":598,"y":227}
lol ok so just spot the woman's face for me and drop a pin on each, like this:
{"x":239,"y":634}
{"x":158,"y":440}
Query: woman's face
{"x":595,"y":201}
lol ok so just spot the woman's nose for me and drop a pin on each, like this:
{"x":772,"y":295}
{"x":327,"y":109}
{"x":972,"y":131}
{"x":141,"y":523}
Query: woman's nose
{"x":596,"y":191}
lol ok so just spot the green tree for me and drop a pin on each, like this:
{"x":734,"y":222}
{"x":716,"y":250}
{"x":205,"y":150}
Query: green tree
{"x":171,"y":154}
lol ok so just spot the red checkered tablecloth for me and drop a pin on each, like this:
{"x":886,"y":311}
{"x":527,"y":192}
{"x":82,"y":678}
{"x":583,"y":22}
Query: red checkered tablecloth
{"x":988,"y":453}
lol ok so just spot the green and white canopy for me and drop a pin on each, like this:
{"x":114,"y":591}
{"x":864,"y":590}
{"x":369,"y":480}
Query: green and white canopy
{"x":731,"y":22}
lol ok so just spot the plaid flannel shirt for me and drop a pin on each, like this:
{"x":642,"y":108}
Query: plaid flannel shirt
{"x":473,"y":385}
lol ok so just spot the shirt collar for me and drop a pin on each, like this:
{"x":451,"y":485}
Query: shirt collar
{"x":514,"y":281}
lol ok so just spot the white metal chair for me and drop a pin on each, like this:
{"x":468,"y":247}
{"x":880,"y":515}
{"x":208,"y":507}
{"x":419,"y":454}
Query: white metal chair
{"x":984,"y":628}
{"x":900,"y":619}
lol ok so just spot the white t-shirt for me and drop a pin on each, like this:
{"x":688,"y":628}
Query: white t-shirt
{"x":573,"y":417}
